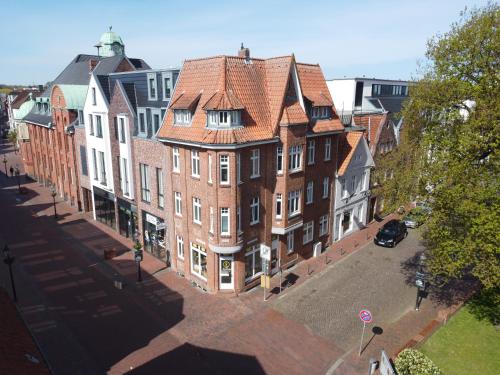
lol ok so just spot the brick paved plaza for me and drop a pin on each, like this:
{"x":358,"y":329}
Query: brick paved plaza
{"x":85,"y":325}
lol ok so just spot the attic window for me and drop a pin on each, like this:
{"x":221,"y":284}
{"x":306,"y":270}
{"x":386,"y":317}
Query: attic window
{"x":152,"y":87}
{"x":320,"y":112}
{"x":223,"y":119}
{"x":182,"y":116}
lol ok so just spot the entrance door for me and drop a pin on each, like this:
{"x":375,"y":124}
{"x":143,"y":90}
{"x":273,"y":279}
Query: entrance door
{"x":274,"y":253}
{"x":226,"y":274}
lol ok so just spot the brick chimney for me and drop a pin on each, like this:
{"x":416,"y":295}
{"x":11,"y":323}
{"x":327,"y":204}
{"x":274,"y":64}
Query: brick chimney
{"x":244,"y":52}
{"x":92,"y":64}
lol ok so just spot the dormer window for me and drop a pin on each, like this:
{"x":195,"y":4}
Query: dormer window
{"x":152,"y":88}
{"x":182,"y":116}
{"x":39,"y":107}
{"x":223,"y":119}
{"x":320,"y":112}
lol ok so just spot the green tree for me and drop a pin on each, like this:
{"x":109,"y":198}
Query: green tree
{"x":13,"y":138}
{"x":449,"y":148}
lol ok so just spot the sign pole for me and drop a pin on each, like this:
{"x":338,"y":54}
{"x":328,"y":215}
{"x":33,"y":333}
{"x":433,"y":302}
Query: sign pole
{"x":362,"y":335}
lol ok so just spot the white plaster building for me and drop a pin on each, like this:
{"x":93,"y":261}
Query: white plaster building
{"x":352,"y":185}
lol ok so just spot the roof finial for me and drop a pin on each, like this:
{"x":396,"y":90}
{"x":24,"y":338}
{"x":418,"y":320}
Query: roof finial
{"x":110,"y":28}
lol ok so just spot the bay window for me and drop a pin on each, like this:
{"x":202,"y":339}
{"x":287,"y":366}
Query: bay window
{"x":224,"y":169}
{"x":224,"y":221}
{"x":295,"y":158}
{"x":293,"y":203}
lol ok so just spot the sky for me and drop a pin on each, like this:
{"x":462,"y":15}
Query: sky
{"x":383,"y":39}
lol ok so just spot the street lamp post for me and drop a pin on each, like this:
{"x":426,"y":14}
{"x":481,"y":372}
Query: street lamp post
{"x":138,"y":259}
{"x":5,"y":164}
{"x":16,"y":173}
{"x":53,"y":193}
{"x":420,"y":280}
{"x":8,"y":260}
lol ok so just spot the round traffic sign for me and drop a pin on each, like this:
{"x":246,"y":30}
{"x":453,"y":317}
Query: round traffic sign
{"x":365,"y":316}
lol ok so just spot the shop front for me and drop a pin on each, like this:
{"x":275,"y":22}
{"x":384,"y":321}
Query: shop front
{"x":127,"y":218}
{"x":104,"y":205}
{"x":154,"y":236}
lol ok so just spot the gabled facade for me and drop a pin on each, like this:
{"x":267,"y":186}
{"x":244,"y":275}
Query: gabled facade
{"x":380,"y":132}
{"x":251,"y":159}
{"x":352,"y":185}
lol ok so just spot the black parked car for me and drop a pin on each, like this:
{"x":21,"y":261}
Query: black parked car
{"x":391,"y":233}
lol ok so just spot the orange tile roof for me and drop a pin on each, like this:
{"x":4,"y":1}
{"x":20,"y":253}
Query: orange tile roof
{"x":293,"y":114}
{"x":373,"y":125}
{"x":256,"y":85}
{"x":222,"y":101}
{"x":348,"y":144}
{"x":328,"y":125}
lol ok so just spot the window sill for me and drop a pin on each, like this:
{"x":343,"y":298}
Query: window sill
{"x":197,"y":223}
{"x":295,"y":214}
{"x":225,"y":235}
{"x":255,"y":223}
{"x":225,"y":185}
{"x":195,"y":177}
{"x":305,"y":243}
{"x":176,"y":172}
{"x":293,"y":171}
{"x":255,"y":176}
{"x":325,"y":160}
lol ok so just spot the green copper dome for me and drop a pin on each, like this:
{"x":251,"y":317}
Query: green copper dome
{"x":110,"y":44}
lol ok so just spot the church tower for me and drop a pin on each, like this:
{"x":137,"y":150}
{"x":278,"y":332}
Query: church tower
{"x":110,"y":44}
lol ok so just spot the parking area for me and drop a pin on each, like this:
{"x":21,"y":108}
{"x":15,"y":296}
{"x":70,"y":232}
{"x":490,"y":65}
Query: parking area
{"x":374,"y":278}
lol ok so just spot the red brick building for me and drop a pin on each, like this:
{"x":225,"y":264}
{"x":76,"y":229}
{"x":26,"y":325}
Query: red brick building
{"x":251,"y":149}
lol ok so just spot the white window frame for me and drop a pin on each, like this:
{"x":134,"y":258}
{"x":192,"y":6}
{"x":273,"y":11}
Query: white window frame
{"x":311,"y":146}
{"x":209,"y":168}
{"x":238,"y":167}
{"x":294,"y":208}
{"x":165,"y":76}
{"x":180,"y":247}
{"x":124,"y":174}
{"x":343,"y":188}
{"x":323,"y":225}
{"x":225,"y":215}
{"x":122,"y":130}
{"x":255,"y":163}
{"x":238,"y":220}
{"x":326,"y":187}
{"x":279,"y":160}
{"x":195,"y":163}
{"x":196,"y":210}
{"x":176,"y":159}
{"x":142,"y":128}
{"x":328,"y":149}
{"x":152,"y":76}
{"x":290,"y":242}
{"x":295,"y":158}
{"x":211,"y":223}
{"x":224,"y":164}
{"x":279,"y":206}
{"x":310,"y":192}
{"x":178,"y":203}
{"x":102,"y":161}
{"x":308,"y":233}
{"x":315,"y":112}
{"x":255,"y":211}
{"x":182,"y":116}
{"x":224,"y":118}
{"x":255,"y":249}
{"x":200,"y":250}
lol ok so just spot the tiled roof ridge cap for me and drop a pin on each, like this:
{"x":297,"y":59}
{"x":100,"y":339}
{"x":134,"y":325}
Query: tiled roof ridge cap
{"x":307,"y":64}
{"x":242,"y":58}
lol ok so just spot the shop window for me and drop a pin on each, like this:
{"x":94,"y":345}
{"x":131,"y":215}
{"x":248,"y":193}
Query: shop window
{"x":253,"y":263}
{"x":198,"y":261}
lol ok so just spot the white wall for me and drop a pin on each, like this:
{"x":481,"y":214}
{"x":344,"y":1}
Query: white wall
{"x":93,"y":142}
{"x":356,"y":200}
{"x":342,"y":92}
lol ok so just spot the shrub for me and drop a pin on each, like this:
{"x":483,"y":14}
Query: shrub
{"x":413,"y":362}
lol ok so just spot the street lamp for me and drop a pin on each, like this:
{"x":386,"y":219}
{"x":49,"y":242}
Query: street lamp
{"x":8,"y":260}
{"x":53,"y":193}
{"x":420,"y":280}
{"x":5,"y":164}
{"x":16,"y":173}
{"x":138,"y":259}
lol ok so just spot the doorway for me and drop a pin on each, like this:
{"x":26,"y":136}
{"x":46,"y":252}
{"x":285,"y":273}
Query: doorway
{"x":226,"y":274}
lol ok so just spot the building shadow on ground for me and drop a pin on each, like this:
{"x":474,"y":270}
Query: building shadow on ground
{"x":189,"y":359}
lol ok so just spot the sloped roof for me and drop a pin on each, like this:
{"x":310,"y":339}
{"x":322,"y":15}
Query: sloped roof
{"x":373,"y":124}
{"x":293,"y":114}
{"x":225,"y":100}
{"x":392,"y":104}
{"x":74,"y":95}
{"x":22,"y":97}
{"x":313,"y":84}
{"x":348,"y":144}
{"x":257,"y":85}
{"x":328,"y":125}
